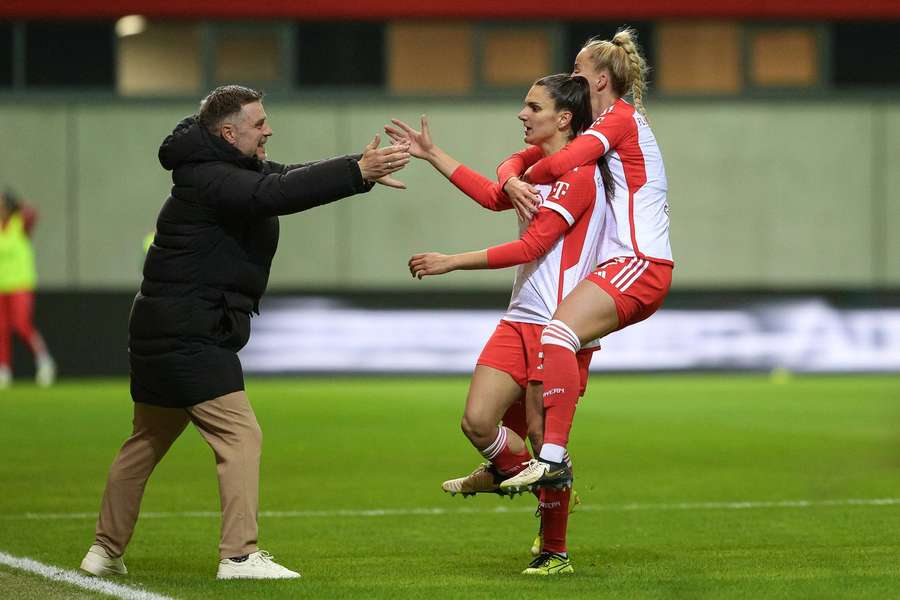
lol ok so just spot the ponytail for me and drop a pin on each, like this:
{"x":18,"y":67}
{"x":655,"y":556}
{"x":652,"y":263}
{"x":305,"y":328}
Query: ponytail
{"x":637,"y":66}
{"x":623,"y":58}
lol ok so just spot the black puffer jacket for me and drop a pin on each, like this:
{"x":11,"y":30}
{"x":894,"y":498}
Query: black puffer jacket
{"x":209,"y":263}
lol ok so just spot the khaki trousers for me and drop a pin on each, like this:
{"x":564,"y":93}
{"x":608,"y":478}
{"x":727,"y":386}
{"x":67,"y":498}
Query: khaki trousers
{"x":229,"y":426}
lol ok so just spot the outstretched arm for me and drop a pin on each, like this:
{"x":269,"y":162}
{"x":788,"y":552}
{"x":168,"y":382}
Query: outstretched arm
{"x":248,"y":194}
{"x":536,"y":241}
{"x":477,"y":187}
{"x":560,"y":212}
{"x":386,"y":180}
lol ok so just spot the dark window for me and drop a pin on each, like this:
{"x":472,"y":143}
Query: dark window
{"x":6,"y":53}
{"x":69,"y":54}
{"x":340,"y":54}
{"x":865,"y":54}
{"x":578,"y":32}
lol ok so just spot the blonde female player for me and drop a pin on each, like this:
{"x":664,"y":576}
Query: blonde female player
{"x":635,"y":269}
{"x":556,"y":250}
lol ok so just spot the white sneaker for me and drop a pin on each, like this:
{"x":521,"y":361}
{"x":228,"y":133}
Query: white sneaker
{"x":259,"y":565}
{"x":98,"y":562}
{"x":46,"y":372}
{"x":5,"y":377}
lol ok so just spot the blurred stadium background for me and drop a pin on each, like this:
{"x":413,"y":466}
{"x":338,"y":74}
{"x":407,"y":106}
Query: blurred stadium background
{"x":779,"y":123}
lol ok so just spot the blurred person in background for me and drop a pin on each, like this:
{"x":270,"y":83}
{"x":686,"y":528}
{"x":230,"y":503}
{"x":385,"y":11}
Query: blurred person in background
{"x":555,"y":251}
{"x":635,"y":270}
{"x":205,"y":273}
{"x":17,"y":282}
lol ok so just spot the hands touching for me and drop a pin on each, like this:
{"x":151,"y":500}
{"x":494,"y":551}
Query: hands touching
{"x":524,"y":197}
{"x":377,"y":164}
{"x":420,"y":144}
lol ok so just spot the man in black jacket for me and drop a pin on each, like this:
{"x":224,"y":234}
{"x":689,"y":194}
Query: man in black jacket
{"x":204,"y":275}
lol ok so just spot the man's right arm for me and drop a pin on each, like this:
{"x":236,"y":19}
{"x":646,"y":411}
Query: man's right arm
{"x":280,"y":168}
{"x":250,"y":194}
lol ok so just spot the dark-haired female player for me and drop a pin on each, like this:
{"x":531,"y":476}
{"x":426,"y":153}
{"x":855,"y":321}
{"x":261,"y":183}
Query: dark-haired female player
{"x":555,"y":251}
{"x":635,"y":269}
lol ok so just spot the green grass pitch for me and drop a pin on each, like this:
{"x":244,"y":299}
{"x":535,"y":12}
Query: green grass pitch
{"x":650,"y":452}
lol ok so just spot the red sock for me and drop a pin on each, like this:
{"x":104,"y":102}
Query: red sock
{"x":562,"y":384}
{"x":555,"y":518}
{"x":507,"y":461}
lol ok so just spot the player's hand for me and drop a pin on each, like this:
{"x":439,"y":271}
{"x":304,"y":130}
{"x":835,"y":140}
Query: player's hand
{"x":524,"y":197}
{"x":377,"y":162}
{"x":389,"y":181}
{"x":430,"y":263}
{"x":420,"y":144}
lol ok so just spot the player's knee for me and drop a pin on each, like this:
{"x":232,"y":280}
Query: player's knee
{"x":476,"y":429}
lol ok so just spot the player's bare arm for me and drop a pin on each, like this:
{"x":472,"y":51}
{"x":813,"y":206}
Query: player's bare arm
{"x":434,"y":263}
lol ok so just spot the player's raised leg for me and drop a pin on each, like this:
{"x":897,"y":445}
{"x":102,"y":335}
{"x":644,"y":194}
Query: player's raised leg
{"x":491,"y":393}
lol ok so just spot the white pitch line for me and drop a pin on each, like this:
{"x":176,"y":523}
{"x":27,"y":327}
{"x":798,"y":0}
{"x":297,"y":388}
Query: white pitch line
{"x":102,"y":586}
{"x":406,"y":512}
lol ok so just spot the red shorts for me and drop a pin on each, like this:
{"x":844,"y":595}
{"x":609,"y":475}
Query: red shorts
{"x":515,"y":348}
{"x":637,"y":286}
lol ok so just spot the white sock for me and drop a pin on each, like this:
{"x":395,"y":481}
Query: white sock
{"x":552,"y":453}
{"x":497,"y":445}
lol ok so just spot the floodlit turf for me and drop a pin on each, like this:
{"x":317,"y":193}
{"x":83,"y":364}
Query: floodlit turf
{"x":648,"y":452}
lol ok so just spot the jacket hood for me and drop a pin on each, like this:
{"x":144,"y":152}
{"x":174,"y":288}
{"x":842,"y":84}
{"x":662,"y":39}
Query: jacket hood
{"x":190,"y":143}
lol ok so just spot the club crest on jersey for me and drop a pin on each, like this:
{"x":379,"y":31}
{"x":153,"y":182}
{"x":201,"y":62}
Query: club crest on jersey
{"x":559,"y":190}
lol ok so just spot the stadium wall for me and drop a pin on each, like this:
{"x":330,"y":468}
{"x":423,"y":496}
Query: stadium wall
{"x":764,"y":194}
{"x":442,"y":332}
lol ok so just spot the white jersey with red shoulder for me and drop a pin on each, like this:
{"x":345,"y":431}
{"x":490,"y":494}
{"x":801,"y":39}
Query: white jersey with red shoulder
{"x":638,"y":218}
{"x":540,"y":285}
